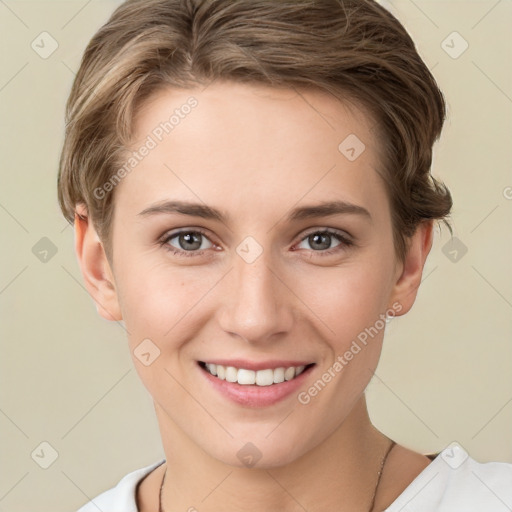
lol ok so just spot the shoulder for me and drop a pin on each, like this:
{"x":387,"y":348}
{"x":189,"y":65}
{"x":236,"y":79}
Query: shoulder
{"x":454,"y":482}
{"x":122,"y":497}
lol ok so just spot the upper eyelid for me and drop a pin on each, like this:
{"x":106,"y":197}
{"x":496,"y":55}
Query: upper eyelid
{"x":332,"y":231}
{"x":169,"y":235}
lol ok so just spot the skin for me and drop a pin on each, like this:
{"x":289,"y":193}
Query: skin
{"x":255,"y":153}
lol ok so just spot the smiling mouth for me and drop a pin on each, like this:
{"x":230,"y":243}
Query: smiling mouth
{"x":265,"y":377}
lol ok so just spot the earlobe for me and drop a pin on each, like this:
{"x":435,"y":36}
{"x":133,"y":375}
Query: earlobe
{"x":94,"y":265}
{"x":409,"y":279}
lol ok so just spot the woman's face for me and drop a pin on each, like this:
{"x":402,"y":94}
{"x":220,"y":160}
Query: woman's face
{"x":254,"y":281}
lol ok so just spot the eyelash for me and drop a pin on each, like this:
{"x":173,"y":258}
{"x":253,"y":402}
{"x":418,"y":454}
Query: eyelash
{"x":345,"y":242}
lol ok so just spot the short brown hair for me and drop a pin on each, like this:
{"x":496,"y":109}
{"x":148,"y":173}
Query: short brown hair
{"x":353,"y":49}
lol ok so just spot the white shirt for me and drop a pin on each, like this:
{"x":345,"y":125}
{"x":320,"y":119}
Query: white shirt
{"x":452,"y":482}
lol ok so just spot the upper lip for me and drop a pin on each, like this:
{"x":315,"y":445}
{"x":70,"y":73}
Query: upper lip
{"x":257,"y":365}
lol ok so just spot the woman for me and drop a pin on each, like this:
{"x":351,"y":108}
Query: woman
{"x":251,"y":193}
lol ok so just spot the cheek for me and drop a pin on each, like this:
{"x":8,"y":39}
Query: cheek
{"x":157,"y":307}
{"x":157,"y":299}
{"x":347,"y":298}
{"x":351,"y":302}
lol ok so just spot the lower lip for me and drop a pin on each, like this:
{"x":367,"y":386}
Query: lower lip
{"x":253,"y":395}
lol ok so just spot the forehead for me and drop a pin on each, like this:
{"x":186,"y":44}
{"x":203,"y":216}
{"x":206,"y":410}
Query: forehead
{"x":244,"y":145}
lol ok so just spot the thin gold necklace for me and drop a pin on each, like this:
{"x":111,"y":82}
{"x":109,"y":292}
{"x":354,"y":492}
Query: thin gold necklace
{"x":379,"y":474}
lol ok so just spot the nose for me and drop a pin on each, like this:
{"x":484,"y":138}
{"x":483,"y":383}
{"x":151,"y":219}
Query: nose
{"x":257,"y":303}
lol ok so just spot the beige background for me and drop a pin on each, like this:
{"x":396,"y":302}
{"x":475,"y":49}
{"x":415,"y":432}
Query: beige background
{"x":66,"y":375}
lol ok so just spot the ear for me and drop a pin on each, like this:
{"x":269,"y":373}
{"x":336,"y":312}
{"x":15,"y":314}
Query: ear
{"x":408,"y":275}
{"x":96,"y":271}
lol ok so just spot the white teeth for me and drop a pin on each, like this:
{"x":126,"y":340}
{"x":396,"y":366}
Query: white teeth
{"x":265,"y":377}
{"x":251,"y":377}
{"x":212,"y":368}
{"x":289,"y":373}
{"x":231,"y":374}
{"x":246,"y":376}
{"x":278,"y":375}
{"x":299,"y":370}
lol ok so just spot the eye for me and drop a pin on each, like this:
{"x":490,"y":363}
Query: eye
{"x":194,"y":242}
{"x":321,"y":240}
{"x":186,"y":242}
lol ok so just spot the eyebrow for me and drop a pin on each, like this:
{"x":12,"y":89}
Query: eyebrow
{"x":324,"y":209}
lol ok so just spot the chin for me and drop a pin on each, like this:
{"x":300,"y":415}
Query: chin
{"x":259,"y":453}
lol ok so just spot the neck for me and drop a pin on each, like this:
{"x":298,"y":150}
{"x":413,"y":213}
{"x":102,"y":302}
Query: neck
{"x":339,"y":473}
